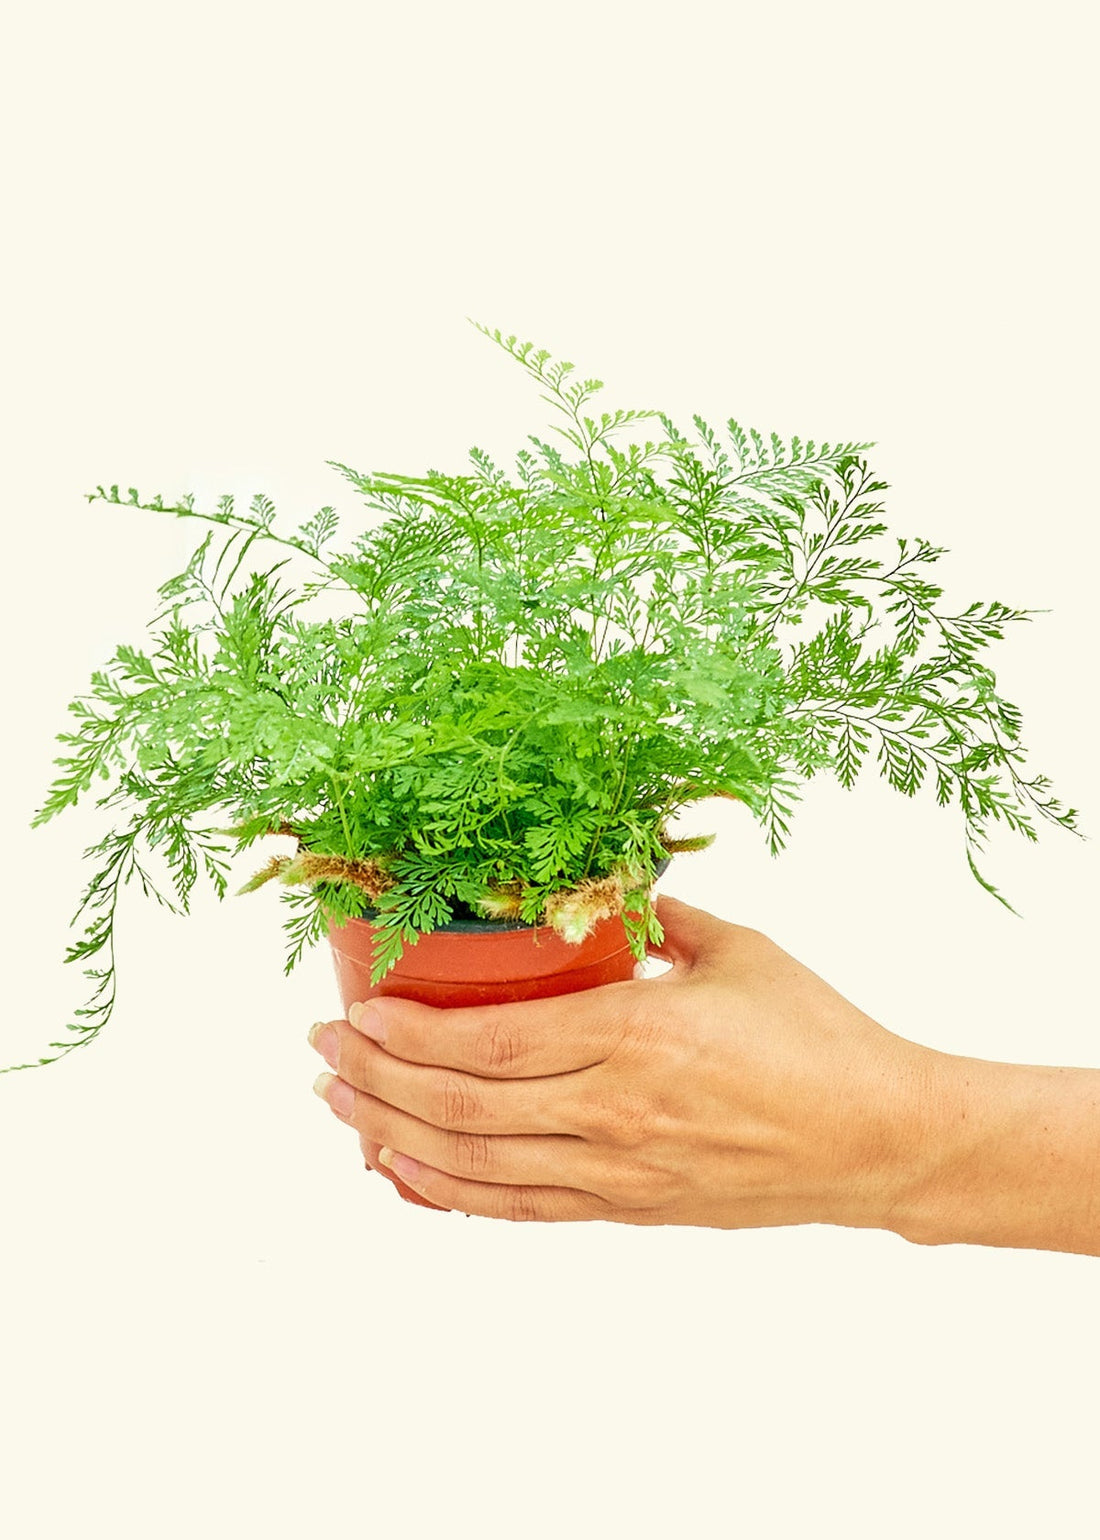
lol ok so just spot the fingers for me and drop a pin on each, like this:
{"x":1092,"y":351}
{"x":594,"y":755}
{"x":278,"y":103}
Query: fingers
{"x":451,"y":1098}
{"x":496,"y":1202}
{"x":690,"y":934}
{"x":371,"y":1151}
{"x":533,"y":1037}
{"x":510,"y":1158}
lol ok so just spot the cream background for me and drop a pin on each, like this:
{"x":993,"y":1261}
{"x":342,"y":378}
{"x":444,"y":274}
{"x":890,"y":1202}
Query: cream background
{"x":243,"y":239}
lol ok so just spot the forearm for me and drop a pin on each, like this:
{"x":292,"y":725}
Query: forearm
{"x":1009,"y":1155}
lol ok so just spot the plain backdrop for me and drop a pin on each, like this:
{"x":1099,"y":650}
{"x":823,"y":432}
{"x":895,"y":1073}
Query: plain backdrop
{"x":243,"y":239}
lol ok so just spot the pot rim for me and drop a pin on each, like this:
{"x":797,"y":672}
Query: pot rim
{"x":495,"y":927}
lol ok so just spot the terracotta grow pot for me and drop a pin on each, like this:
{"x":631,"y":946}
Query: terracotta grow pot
{"x":481,"y":962}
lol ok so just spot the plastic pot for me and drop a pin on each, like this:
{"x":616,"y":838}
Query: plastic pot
{"x":472,"y":962}
{"x":481,"y":962}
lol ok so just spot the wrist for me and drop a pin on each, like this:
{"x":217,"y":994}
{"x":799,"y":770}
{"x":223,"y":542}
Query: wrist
{"x":1004,"y":1155}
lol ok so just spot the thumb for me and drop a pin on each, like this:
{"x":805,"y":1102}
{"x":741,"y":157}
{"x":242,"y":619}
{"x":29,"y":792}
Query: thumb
{"x":689,"y":933}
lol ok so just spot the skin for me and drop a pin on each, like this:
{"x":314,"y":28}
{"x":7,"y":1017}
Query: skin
{"x":736,"y":1090}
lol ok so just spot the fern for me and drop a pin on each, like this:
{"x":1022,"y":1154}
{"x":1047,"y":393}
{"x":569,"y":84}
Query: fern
{"x":517,"y":677}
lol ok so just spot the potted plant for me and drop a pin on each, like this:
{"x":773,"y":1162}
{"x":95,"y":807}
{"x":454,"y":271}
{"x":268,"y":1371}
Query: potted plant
{"x":476,"y":716}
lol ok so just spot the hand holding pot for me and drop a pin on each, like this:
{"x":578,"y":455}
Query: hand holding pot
{"x":735,"y":1090}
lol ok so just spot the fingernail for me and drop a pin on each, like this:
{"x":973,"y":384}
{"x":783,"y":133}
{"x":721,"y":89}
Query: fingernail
{"x":364,"y":1018}
{"x":338,"y":1094}
{"x":325,"y":1040}
{"x":406,"y":1168}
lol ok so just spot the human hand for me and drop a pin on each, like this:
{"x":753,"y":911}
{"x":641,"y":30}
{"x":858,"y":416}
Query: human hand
{"x":735,"y":1090}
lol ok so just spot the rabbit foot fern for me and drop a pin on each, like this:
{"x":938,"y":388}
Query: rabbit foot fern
{"x":512,"y":680}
